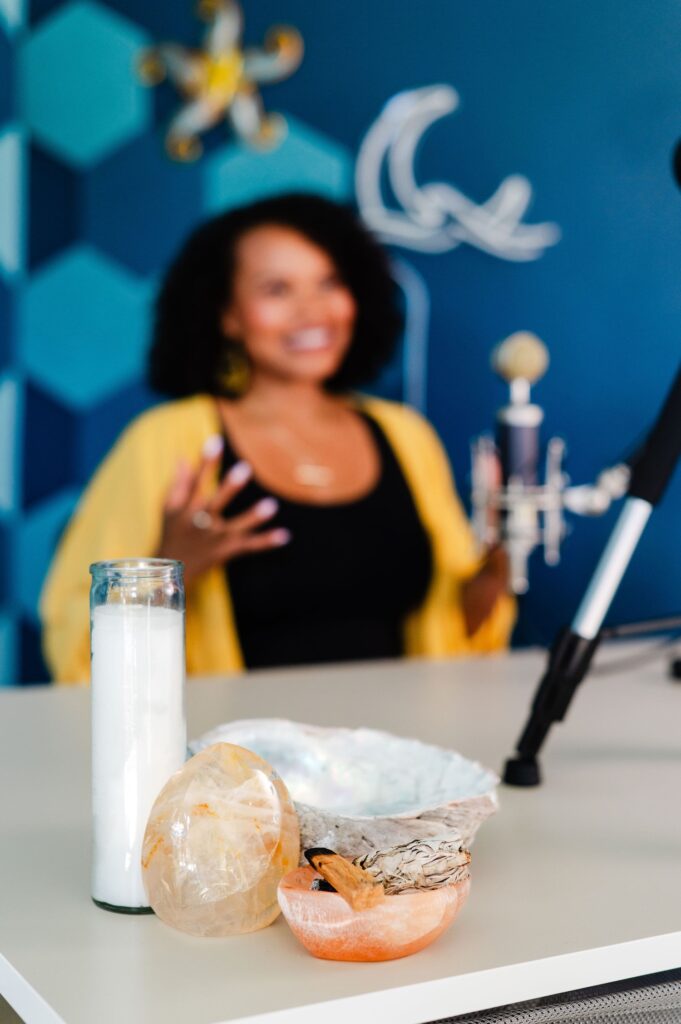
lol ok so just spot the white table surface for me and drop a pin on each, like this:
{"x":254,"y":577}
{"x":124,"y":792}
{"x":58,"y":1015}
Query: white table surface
{"x":576,"y":883}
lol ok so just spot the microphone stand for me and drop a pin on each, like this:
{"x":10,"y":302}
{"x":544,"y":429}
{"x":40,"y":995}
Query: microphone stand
{"x":575,"y":646}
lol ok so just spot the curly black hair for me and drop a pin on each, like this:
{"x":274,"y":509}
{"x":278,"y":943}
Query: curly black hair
{"x":189,"y":345}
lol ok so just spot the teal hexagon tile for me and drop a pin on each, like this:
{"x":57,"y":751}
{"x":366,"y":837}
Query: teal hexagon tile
{"x":306,"y":161}
{"x":36,"y":538}
{"x":83,"y":327}
{"x":10,"y":402}
{"x":8,"y":659}
{"x":80,"y":94}
{"x":11,"y":201}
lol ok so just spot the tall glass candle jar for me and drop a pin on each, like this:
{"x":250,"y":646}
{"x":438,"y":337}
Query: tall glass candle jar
{"x":139,"y":732}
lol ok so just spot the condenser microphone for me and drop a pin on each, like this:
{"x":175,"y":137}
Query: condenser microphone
{"x":520,"y":360}
{"x":513,"y":501}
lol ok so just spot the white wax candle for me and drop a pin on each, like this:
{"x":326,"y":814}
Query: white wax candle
{"x":139,"y":736}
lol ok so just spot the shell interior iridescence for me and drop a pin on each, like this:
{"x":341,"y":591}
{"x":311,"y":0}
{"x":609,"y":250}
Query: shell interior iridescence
{"x":405,"y":810}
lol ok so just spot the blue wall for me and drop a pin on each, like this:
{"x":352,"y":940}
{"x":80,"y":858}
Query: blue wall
{"x":582,"y":96}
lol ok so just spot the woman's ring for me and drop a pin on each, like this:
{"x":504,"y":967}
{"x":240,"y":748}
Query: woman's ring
{"x":202,"y":520}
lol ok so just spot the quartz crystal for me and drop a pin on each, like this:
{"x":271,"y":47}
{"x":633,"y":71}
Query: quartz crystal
{"x":220,"y":836}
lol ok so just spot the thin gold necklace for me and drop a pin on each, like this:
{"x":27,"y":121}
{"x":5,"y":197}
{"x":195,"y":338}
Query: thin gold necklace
{"x":307,"y":470}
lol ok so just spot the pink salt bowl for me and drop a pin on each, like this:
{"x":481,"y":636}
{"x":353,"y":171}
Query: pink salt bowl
{"x":398,"y":926}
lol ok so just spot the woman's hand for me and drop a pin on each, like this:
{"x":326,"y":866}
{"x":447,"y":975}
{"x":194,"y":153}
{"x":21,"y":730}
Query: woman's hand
{"x":195,"y":532}
{"x":479,"y":594}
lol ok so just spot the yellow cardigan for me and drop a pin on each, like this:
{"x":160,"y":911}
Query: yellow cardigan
{"x":120,"y":516}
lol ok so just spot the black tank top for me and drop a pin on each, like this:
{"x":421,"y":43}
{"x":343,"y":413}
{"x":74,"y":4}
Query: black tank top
{"x":342,"y":586}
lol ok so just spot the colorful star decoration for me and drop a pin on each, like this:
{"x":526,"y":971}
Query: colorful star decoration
{"x":220,"y":81}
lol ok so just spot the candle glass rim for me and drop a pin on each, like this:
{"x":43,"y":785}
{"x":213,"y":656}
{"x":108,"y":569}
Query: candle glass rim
{"x":123,"y":567}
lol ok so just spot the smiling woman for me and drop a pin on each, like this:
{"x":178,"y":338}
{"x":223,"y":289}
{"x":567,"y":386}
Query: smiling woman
{"x":314,"y":524}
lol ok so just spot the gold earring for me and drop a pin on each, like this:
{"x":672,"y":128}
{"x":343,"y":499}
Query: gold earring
{"x":235,"y":373}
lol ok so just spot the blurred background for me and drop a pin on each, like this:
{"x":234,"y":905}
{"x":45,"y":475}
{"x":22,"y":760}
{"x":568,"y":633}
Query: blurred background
{"x":582,"y":98}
